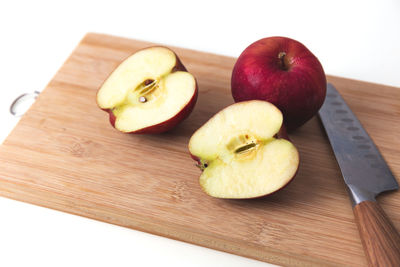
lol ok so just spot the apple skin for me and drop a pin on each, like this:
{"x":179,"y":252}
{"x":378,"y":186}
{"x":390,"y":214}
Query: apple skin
{"x":172,"y":122}
{"x":284,"y":72}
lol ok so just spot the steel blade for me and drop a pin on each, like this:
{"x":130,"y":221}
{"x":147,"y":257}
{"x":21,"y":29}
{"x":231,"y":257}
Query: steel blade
{"x":363,"y":168}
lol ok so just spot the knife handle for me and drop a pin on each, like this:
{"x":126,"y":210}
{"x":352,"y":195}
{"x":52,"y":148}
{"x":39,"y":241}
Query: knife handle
{"x":380,"y":239}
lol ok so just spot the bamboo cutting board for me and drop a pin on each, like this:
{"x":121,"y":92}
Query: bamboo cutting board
{"x":64,"y":155}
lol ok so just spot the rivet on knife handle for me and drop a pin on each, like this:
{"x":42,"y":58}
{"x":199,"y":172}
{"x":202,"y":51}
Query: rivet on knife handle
{"x":366,"y":175}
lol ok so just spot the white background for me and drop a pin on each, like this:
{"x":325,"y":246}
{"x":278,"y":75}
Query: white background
{"x":355,"y":39}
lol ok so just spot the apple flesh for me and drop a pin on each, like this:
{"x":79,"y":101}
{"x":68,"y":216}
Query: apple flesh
{"x":242,"y":153}
{"x":149,"y":92}
{"x":284,"y":72}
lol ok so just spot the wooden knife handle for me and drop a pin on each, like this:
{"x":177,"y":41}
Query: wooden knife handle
{"x":380,"y":239}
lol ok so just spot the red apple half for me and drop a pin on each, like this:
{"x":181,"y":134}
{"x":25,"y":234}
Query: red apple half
{"x":284,"y":72}
{"x":149,"y":92}
{"x":242,"y":153}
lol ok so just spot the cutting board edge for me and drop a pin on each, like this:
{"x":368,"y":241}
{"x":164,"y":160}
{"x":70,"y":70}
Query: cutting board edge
{"x":34,"y":195}
{"x":93,"y":34}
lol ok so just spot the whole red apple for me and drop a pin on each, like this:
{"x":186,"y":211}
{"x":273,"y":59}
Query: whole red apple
{"x":284,"y":72}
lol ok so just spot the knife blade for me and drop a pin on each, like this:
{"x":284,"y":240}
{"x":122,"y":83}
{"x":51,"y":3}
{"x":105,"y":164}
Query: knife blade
{"x":366,"y":175}
{"x":364,"y":170}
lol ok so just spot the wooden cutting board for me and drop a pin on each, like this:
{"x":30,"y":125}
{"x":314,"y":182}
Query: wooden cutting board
{"x":64,"y":155}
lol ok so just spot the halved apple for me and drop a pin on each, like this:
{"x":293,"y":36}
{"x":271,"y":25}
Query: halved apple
{"x":149,"y":92}
{"x":243,"y":151}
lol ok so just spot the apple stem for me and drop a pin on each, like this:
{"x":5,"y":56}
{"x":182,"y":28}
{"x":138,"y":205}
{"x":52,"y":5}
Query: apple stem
{"x":201,"y":166}
{"x":282,"y":56}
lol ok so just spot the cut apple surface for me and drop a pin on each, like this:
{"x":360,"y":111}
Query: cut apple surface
{"x":241,"y":152}
{"x":149,"y":92}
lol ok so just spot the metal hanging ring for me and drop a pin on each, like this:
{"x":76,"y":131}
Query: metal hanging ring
{"x":15,"y":108}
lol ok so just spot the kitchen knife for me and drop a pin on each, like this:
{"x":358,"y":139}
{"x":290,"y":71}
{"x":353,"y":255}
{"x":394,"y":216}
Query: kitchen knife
{"x":366,"y":175}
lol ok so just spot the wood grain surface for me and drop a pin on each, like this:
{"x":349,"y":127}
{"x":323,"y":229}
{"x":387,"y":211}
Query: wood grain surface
{"x":380,"y":239}
{"x":64,"y":155}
